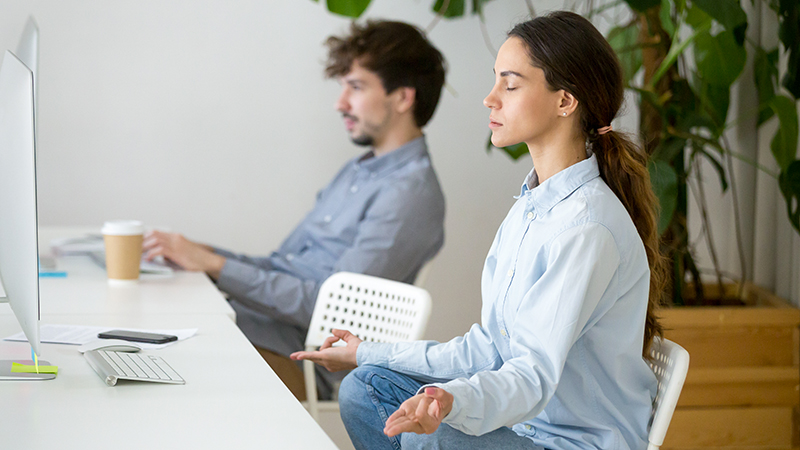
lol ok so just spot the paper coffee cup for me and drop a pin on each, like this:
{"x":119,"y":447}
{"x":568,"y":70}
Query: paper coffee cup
{"x":123,"y":241}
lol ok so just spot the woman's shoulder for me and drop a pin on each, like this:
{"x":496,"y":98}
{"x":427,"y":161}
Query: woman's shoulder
{"x":595,"y":203}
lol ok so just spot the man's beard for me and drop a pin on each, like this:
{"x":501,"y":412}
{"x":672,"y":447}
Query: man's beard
{"x":363,"y":140}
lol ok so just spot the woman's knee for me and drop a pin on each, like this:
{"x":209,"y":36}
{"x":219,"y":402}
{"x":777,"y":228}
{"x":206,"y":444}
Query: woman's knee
{"x":368,"y":384}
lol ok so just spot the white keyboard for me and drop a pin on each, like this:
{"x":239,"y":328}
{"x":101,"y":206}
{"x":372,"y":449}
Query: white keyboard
{"x":114,"y":366}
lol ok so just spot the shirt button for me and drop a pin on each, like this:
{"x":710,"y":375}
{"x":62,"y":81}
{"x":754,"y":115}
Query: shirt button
{"x":528,"y":427}
{"x":327,"y":218}
{"x":510,"y":272}
{"x":503,"y":332}
{"x":530,"y":215}
{"x":289,"y":256}
{"x":354,"y":189}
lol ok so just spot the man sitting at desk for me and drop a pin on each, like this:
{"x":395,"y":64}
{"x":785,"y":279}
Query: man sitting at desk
{"x":381,"y":215}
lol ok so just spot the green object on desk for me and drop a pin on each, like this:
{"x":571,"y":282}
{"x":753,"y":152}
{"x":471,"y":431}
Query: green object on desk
{"x":24,"y":368}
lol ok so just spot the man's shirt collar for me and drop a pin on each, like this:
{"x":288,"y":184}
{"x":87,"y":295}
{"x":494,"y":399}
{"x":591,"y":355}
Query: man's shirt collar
{"x":386,"y":163}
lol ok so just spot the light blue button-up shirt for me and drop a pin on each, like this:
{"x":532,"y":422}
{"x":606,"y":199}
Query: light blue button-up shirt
{"x":558,"y":354}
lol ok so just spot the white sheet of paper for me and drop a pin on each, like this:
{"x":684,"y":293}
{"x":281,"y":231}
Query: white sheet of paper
{"x":79,"y":335}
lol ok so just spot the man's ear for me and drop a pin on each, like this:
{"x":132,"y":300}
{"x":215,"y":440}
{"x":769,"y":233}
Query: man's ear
{"x":406,"y":96}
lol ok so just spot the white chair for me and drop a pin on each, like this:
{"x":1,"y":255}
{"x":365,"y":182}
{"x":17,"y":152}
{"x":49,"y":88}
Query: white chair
{"x":372,"y":308}
{"x":669,"y":362}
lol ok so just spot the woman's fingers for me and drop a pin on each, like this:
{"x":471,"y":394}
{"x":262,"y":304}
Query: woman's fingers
{"x":329,"y":341}
{"x":419,"y":414}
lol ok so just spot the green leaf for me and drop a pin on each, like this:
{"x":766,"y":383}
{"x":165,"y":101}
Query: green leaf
{"x":784,"y":144}
{"x":697,"y":18}
{"x":729,"y":14}
{"x":789,"y":33}
{"x":642,"y":5}
{"x":624,"y":41}
{"x":790,"y":187}
{"x":765,"y":70}
{"x":477,"y":6}
{"x":664,"y":181}
{"x":719,"y":59}
{"x":513,"y":151}
{"x":698,"y":149}
{"x":454,"y":9}
{"x":666,"y":17}
{"x":348,"y":8}
{"x":669,"y":148}
{"x":716,"y":100}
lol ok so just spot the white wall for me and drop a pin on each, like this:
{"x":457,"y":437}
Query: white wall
{"x":214,"y":119}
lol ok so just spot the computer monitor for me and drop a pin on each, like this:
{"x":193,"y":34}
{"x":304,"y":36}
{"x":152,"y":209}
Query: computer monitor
{"x":28,"y":53}
{"x":19,"y":247}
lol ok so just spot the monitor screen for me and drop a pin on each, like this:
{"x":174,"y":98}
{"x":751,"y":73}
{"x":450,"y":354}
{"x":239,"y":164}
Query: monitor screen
{"x":28,"y":53}
{"x":28,"y":49}
{"x":19,"y":249}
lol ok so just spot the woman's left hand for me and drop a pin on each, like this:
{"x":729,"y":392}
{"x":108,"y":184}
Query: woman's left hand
{"x":422,"y":413}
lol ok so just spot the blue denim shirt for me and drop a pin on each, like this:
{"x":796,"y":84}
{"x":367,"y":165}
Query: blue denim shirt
{"x":558,"y":354}
{"x":381,"y":216}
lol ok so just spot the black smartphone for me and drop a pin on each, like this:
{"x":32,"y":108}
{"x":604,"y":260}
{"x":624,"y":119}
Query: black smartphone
{"x":138,"y":336}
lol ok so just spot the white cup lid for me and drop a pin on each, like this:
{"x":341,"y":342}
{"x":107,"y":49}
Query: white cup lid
{"x":123,"y":228}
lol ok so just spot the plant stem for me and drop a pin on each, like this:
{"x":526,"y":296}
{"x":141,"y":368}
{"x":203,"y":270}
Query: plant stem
{"x":736,"y":217}
{"x":530,"y":8}
{"x":438,"y":17}
{"x":700,"y":197}
{"x":486,"y":39}
{"x":755,"y":164}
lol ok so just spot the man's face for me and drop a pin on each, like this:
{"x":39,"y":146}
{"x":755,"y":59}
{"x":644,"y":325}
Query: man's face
{"x":366,"y":108}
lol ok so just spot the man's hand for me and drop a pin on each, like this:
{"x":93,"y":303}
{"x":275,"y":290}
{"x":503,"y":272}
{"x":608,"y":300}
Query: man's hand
{"x":183,"y":252}
{"x":422,"y":413}
{"x":334,"y":358}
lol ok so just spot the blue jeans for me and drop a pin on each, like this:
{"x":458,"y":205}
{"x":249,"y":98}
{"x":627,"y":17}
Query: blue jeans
{"x":370,"y":394}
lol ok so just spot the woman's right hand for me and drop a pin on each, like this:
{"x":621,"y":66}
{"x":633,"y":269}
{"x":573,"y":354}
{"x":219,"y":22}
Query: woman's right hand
{"x":334,"y":358}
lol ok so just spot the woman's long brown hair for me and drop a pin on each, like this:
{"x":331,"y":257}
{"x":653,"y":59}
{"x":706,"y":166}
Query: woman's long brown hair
{"x":575,"y":57}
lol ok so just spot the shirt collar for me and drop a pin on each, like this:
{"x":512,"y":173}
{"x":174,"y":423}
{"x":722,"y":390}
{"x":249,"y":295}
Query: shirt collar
{"x":558,"y":187}
{"x":410,"y":150}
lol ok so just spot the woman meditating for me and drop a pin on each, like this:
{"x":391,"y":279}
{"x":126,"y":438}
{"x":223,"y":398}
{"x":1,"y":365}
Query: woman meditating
{"x":569,"y":287}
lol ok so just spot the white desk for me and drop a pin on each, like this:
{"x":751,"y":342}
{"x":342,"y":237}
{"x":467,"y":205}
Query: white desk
{"x":231,"y":399}
{"x":86,"y":291}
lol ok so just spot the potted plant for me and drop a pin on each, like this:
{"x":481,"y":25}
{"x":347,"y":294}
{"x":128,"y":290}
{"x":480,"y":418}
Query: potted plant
{"x":742,"y":387}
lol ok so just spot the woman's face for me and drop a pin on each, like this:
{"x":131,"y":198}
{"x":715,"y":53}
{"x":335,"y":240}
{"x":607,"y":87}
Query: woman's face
{"x":523,"y":108}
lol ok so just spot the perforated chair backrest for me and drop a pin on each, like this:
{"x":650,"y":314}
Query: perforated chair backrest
{"x":669,"y":362}
{"x":372,"y":308}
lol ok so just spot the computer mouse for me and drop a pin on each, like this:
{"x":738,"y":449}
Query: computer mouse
{"x":112,"y":345}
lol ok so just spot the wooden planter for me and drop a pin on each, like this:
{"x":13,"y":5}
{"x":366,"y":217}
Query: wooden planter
{"x":743,"y":386}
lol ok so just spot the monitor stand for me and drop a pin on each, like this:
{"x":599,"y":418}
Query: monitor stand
{"x":7,"y":375}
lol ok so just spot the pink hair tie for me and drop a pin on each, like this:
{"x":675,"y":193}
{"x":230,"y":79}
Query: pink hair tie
{"x":604,"y":130}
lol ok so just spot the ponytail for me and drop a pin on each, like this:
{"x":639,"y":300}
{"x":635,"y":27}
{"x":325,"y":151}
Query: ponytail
{"x":624,"y":169}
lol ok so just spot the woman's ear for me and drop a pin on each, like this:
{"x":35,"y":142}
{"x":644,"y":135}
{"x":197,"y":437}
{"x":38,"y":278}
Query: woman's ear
{"x":568,"y":104}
